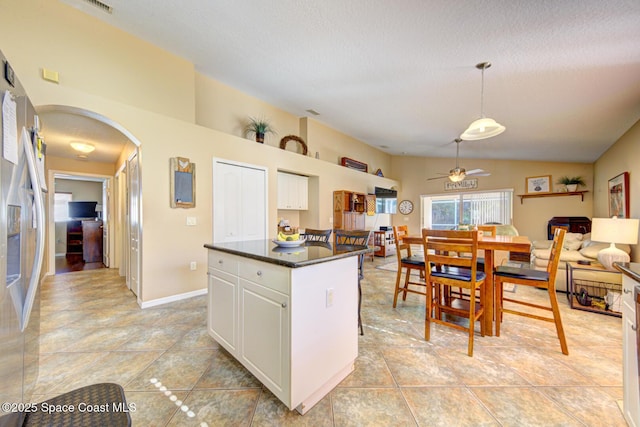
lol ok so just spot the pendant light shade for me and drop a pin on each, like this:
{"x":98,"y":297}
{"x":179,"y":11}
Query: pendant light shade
{"x":481,"y":129}
{"x":484,"y":127}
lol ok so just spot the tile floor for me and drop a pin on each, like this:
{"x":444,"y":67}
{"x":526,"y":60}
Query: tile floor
{"x":93,"y":331}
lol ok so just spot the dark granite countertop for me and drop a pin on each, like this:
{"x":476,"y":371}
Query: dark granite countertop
{"x":300,"y":256}
{"x":631,"y":269}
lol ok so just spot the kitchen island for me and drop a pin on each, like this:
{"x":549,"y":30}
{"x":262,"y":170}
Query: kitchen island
{"x":289,"y":315}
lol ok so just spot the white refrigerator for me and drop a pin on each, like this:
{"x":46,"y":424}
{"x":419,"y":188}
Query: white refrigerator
{"x":22,"y":235}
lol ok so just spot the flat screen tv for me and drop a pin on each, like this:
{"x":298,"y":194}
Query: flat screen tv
{"x":82,"y":209}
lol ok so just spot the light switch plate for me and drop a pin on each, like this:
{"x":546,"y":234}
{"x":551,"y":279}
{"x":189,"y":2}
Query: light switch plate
{"x":191,"y":220}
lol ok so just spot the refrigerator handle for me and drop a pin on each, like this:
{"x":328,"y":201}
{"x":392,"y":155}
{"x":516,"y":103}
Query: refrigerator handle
{"x":39,"y":255}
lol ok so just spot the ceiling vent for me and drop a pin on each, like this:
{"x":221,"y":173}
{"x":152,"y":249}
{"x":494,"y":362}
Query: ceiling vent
{"x":313,"y":112}
{"x":103,"y":6}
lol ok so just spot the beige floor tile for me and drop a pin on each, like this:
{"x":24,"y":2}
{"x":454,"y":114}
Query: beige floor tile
{"x":443,"y":406}
{"x":591,"y":405}
{"x":92,"y":330}
{"x":217,"y":408}
{"x":519,"y":407}
{"x":370,"y":407}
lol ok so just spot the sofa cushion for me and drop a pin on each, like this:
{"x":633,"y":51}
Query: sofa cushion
{"x":565,"y":255}
{"x":572,"y":241}
{"x":541,"y":244}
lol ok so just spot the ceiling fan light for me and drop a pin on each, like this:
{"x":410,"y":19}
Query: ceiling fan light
{"x":82,"y":147}
{"x":457,"y":174}
{"x":481,"y":129}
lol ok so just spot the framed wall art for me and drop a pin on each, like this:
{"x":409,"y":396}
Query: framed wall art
{"x":183,"y":183}
{"x":619,"y":196}
{"x":538,"y":184}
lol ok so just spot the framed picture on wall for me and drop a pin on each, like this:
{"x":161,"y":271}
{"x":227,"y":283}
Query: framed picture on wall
{"x":619,"y":196}
{"x":538,"y":184}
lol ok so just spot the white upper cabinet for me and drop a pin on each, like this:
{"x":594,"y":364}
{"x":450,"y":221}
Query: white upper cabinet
{"x":293,"y":192}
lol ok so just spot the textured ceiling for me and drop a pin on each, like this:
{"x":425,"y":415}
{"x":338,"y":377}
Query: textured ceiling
{"x":565,"y":79}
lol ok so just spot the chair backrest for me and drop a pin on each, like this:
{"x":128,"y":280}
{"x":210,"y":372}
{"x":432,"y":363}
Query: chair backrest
{"x":312,"y":235}
{"x":352,"y":237}
{"x":450,"y":248}
{"x":487,"y":230}
{"x":402,"y":249}
{"x":554,"y":256}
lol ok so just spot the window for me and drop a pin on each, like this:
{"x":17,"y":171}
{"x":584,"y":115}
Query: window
{"x":61,"y":206}
{"x":444,"y":212}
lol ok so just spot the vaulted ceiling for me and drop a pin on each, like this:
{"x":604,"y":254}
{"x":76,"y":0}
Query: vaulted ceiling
{"x":402,"y":77}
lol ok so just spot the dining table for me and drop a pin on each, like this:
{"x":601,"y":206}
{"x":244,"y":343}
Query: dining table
{"x":489,"y":244}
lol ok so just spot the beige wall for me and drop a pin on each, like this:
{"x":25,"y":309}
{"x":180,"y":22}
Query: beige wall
{"x":91,"y":57}
{"x":529,"y":217}
{"x":623,"y":156}
{"x":226,"y":109}
{"x":331,"y":145}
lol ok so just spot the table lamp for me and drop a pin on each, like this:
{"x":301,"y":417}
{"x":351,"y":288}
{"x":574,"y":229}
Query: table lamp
{"x":614,"y":230}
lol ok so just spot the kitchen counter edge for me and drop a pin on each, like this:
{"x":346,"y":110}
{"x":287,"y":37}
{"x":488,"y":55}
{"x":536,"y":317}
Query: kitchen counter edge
{"x":291,"y":264}
{"x":631,"y":269}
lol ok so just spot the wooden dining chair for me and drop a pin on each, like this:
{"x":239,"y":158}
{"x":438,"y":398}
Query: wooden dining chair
{"x":407,"y":263}
{"x":446,"y":267}
{"x":354,"y":238}
{"x":312,"y":235}
{"x":539,"y":279}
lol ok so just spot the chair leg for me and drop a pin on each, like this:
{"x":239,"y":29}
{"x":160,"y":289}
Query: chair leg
{"x":558,"y":321}
{"x":428,"y":311}
{"x":398,"y":277}
{"x":360,"y":305}
{"x":407,"y":277}
{"x":497,"y":306}
{"x":472,"y":322}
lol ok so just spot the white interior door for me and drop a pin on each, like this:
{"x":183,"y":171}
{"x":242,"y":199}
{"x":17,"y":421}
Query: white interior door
{"x":239,"y":201}
{"x":134,"y":224}
{"x":106,"y":218}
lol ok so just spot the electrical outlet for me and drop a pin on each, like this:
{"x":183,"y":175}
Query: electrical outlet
{"x":329,"y":297}
{"x":193,"y":265}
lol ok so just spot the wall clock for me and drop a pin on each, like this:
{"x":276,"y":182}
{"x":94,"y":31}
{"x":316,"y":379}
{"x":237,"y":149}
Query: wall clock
{"x":405,"y":207}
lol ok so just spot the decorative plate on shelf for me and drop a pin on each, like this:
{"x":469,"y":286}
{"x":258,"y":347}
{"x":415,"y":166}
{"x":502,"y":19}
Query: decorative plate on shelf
{"x":289,"y":243}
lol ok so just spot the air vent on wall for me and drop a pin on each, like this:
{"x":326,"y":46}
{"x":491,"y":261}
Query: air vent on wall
{"x":105,"y":7}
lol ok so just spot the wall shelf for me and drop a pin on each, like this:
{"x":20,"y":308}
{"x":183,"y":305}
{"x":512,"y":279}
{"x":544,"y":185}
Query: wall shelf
{"x":565,"y":193}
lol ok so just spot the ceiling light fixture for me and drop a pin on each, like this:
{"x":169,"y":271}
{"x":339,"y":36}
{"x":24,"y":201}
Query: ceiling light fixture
{"x":82,"y":147}
{"x":484,"y":127}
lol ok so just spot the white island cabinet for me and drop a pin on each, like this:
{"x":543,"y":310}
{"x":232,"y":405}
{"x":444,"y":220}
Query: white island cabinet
{"x":295,"y":329}
{"x":630,"y":351}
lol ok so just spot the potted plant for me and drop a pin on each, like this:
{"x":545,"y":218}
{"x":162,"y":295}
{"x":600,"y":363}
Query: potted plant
{"x":259,"y":128}
{"x":572,"y":183}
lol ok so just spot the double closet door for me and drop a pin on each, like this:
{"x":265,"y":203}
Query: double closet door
{"x":239,"y":201}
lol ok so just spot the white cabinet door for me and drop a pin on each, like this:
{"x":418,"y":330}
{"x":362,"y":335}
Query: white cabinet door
{"x":223,"y":304}
{"x":293,"y":191}
{"x":631,"y":392}
{"x":302,"y":190}
{"x":264,"y":332}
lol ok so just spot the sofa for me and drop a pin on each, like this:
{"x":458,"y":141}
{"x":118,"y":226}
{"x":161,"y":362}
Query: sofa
{"x":576,"y":247}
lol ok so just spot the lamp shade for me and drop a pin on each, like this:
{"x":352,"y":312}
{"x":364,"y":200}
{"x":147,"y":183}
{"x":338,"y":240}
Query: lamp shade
{"x":481,"y":129}
{"x":614,"y":230}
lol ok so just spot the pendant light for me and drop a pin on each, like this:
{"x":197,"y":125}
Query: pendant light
{"x":484,"y":127}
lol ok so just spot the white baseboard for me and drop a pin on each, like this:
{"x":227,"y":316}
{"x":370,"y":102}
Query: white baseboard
{"x":173,"y":298}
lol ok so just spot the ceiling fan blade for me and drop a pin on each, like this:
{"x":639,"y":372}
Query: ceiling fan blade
{"x":438,"y":177}
{"x":478,"y":172}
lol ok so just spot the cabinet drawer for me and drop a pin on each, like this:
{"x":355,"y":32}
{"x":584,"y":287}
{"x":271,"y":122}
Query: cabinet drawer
{"x":268,"y":275}
{"x":224,"y":262}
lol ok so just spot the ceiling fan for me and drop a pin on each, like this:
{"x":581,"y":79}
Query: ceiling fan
{"x":458,"y":174}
